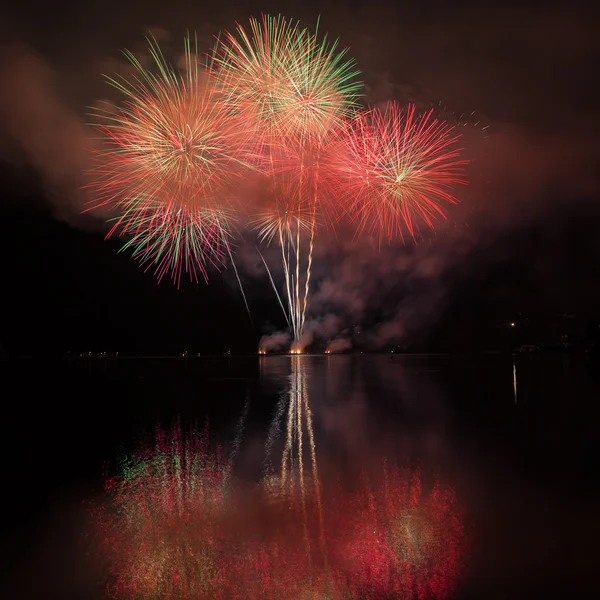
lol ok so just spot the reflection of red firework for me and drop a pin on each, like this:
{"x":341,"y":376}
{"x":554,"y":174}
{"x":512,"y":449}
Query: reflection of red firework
{"x":170,"y":529}
{"x":159,"y":528}
{"x":403,"y":543}
{"x":278,"y":555}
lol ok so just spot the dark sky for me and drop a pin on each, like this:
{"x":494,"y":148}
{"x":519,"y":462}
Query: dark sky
{"x":524,"y":238}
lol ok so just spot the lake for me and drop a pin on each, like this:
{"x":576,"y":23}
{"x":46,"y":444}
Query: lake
{"x":513,"y":439}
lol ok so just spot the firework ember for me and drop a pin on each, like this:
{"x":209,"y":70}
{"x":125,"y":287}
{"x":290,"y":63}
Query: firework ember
{"x":398,"y":168}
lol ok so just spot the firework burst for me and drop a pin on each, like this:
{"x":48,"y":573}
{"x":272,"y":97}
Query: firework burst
{"x":303,"y":175}
{"x":283,"y":79}
{"x":398,"y":168}
{"x":170,"y":156}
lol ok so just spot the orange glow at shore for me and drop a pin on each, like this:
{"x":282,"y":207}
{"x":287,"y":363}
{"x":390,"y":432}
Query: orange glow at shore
{"x":294,"y":351}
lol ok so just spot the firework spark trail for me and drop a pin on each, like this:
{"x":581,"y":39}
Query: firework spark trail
{"x":295,"y":245}
{"x":308,"y":273}
{"x":305,"y":196}
{"x":288,"y":229}
{"x":285,"y":256}
{"x":285,"y":251}
{"x":297,"y":298}
{"x":309,"y":265}
{"x":239,"y":281}
{"x":274,"y":287}
{"x":514,"y":370}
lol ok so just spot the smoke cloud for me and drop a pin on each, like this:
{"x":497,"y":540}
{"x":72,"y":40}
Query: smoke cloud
{"x":339,"y":345}
{"x":40,"y":130}
{"x":374,"y":297}
{"x":280,"y":340}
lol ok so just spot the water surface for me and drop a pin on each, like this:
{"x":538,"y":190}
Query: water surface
{"x":514,"y":437}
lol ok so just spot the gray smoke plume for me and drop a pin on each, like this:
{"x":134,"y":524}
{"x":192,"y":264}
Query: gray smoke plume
{"x":280,"y":340}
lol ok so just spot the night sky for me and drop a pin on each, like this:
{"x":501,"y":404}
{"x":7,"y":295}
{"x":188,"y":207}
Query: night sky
{"x":523,"y":242}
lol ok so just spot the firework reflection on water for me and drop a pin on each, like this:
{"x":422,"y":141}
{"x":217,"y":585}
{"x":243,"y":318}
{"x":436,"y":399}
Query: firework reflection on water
{"x":176,"y":524}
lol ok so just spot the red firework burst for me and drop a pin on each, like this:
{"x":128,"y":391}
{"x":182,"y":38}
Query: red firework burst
{"x":397,"y":168}
{"x":170,"y":144}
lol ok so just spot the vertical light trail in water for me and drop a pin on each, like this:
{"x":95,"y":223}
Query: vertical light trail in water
{"x":299,"y":416}
{"x":515,"y":377}
{"x":239,"y":432}
{"x":273,"y":434}
{"x":315,"y":474}
{"x":299,"y":379}
{"x":287,"y":451}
